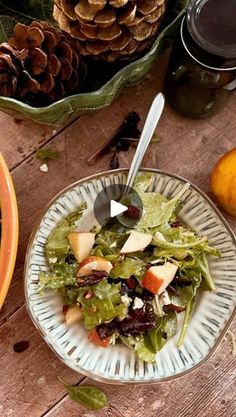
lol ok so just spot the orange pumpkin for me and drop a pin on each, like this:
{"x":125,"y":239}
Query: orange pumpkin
{"x":10,"y":229}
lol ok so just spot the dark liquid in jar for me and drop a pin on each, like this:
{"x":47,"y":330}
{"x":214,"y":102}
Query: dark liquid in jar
{"x":215,"y":27}
{"x":202,"y":58}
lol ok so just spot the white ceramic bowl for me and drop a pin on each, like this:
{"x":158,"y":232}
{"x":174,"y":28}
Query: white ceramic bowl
{"x":117,"y":364}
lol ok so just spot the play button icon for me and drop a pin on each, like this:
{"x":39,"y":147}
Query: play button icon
{"x":117,"y":208}
{"x":111,"y":203}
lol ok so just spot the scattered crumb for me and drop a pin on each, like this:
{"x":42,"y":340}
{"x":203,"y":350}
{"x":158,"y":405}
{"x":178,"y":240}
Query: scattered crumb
{"x":231,"y":338}
{"x":140,"y":400}
{"x":54,"y":131}
{"x":43,"y":168}
{"x":157,"y":404}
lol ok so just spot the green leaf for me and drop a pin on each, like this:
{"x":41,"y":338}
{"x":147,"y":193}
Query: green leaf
{"x":157,"y":209}
{"x":46,"y":154}
{"x":187,"y":297}
{"x":139,"y":347}
{"x":89,"y":397}
{"x":61,"y":275}
{"x":127,"y":267}
{"x":104,"y":304}
{"x":165,"y":330}
{"x":7,"y":24}
{"x":142,"y":181}
{"x":57,"y":245}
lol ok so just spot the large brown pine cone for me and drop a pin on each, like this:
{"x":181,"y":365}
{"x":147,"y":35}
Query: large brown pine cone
{"x":111,"y":29}
{"x":40,"y":64}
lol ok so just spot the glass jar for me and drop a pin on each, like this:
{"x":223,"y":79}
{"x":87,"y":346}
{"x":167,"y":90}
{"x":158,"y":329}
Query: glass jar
{"x":202,"y":65}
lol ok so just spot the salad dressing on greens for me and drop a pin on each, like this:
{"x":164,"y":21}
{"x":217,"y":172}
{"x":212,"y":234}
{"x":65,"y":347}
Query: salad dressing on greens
{"x":132,"y":283}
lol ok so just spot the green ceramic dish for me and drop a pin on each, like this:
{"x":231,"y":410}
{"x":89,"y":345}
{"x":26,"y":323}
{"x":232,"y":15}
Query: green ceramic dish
{"x":69,"y":108}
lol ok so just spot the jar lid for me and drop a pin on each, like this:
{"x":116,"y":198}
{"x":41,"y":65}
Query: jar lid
{"x":210,"y":32}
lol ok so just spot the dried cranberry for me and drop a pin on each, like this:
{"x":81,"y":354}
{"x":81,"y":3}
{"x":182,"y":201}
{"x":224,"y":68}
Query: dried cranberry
{"x":133,"y":212}
{"x":65,"y":308}
{"x":147,"y":295}
{"x":131,"y":283}
{"x":21,"y":346}
{"x":173,"y":307}
{"x":177,"y":223}
{"x":138,"y":321}
{"x":92,"y":279}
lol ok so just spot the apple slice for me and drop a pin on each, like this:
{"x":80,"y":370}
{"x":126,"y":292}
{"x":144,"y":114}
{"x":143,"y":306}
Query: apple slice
{"x":136,"y":241}
{"x":73,"y":314}
{"x":94,"y":263}
{"x":157,"y":278}
{"x":81,"y":244}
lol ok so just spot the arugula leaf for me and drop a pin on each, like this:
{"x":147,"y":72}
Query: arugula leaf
{"x":89,"y":397}
{"x":166,"y":328}
{"x":157,"y":209}
{"x":46,"y":154}
{"x":204,"y":268}
{"x":187,"y":297}
{"x":137,"y":344}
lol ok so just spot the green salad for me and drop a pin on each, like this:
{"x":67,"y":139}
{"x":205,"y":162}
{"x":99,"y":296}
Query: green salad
{"x":129,"y":285}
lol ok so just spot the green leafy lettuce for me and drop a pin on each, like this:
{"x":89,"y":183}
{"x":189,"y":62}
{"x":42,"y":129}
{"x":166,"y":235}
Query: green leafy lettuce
{"x":62,"y":274}
{"x":137,"y":344}
{"x":157,"y":209}
{"x":57,"y":245}
{"x":103,"y":305}
{"x":126,"y":267}
{"x":165,"y":330}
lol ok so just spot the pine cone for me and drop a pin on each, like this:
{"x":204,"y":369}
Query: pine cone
{"x":111,"y":29}
{"x":40,"y":64}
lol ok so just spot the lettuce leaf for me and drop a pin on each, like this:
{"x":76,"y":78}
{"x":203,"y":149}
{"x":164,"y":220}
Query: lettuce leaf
{"x":142,"y":182}
{"x":62,"y":274}
{"x":165,"y":330}
{"x":103,"y":305}
{"x":137,"y":344}
{"x":57,"y":245}
{"x":157,"y":209}
{"x":127,"y":267}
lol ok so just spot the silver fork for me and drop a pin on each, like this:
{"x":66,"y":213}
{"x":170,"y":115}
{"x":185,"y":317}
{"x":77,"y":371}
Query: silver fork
{"x":152,"y":119}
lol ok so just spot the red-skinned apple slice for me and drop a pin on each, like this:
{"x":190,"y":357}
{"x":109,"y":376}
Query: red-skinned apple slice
{"x":94,"y":263}
{"x":136,"y":241}
{"x":157,"y":278}
{"x":81,"y":244}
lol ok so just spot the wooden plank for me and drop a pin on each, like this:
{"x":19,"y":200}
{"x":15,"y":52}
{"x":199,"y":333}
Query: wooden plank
{"x":29,"y":380}
{"x":208,"y":391}
{"x":187,"y":147}
{"x":19,"y":138}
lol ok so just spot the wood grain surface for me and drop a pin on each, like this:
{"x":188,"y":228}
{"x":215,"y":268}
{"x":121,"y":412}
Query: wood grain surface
{"x":28,"y":380}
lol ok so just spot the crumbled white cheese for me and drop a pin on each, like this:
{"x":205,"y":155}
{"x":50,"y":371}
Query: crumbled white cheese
{"x":160,"y":236}
{"x":43,"y":168}
{"x":125,"y":299}
{"x":138,"y":303}
{"x":52,"y":260}
{"x":164,"y":298}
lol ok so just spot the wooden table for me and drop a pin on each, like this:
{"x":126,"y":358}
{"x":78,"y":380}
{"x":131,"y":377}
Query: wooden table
{"x":28,"y":381}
